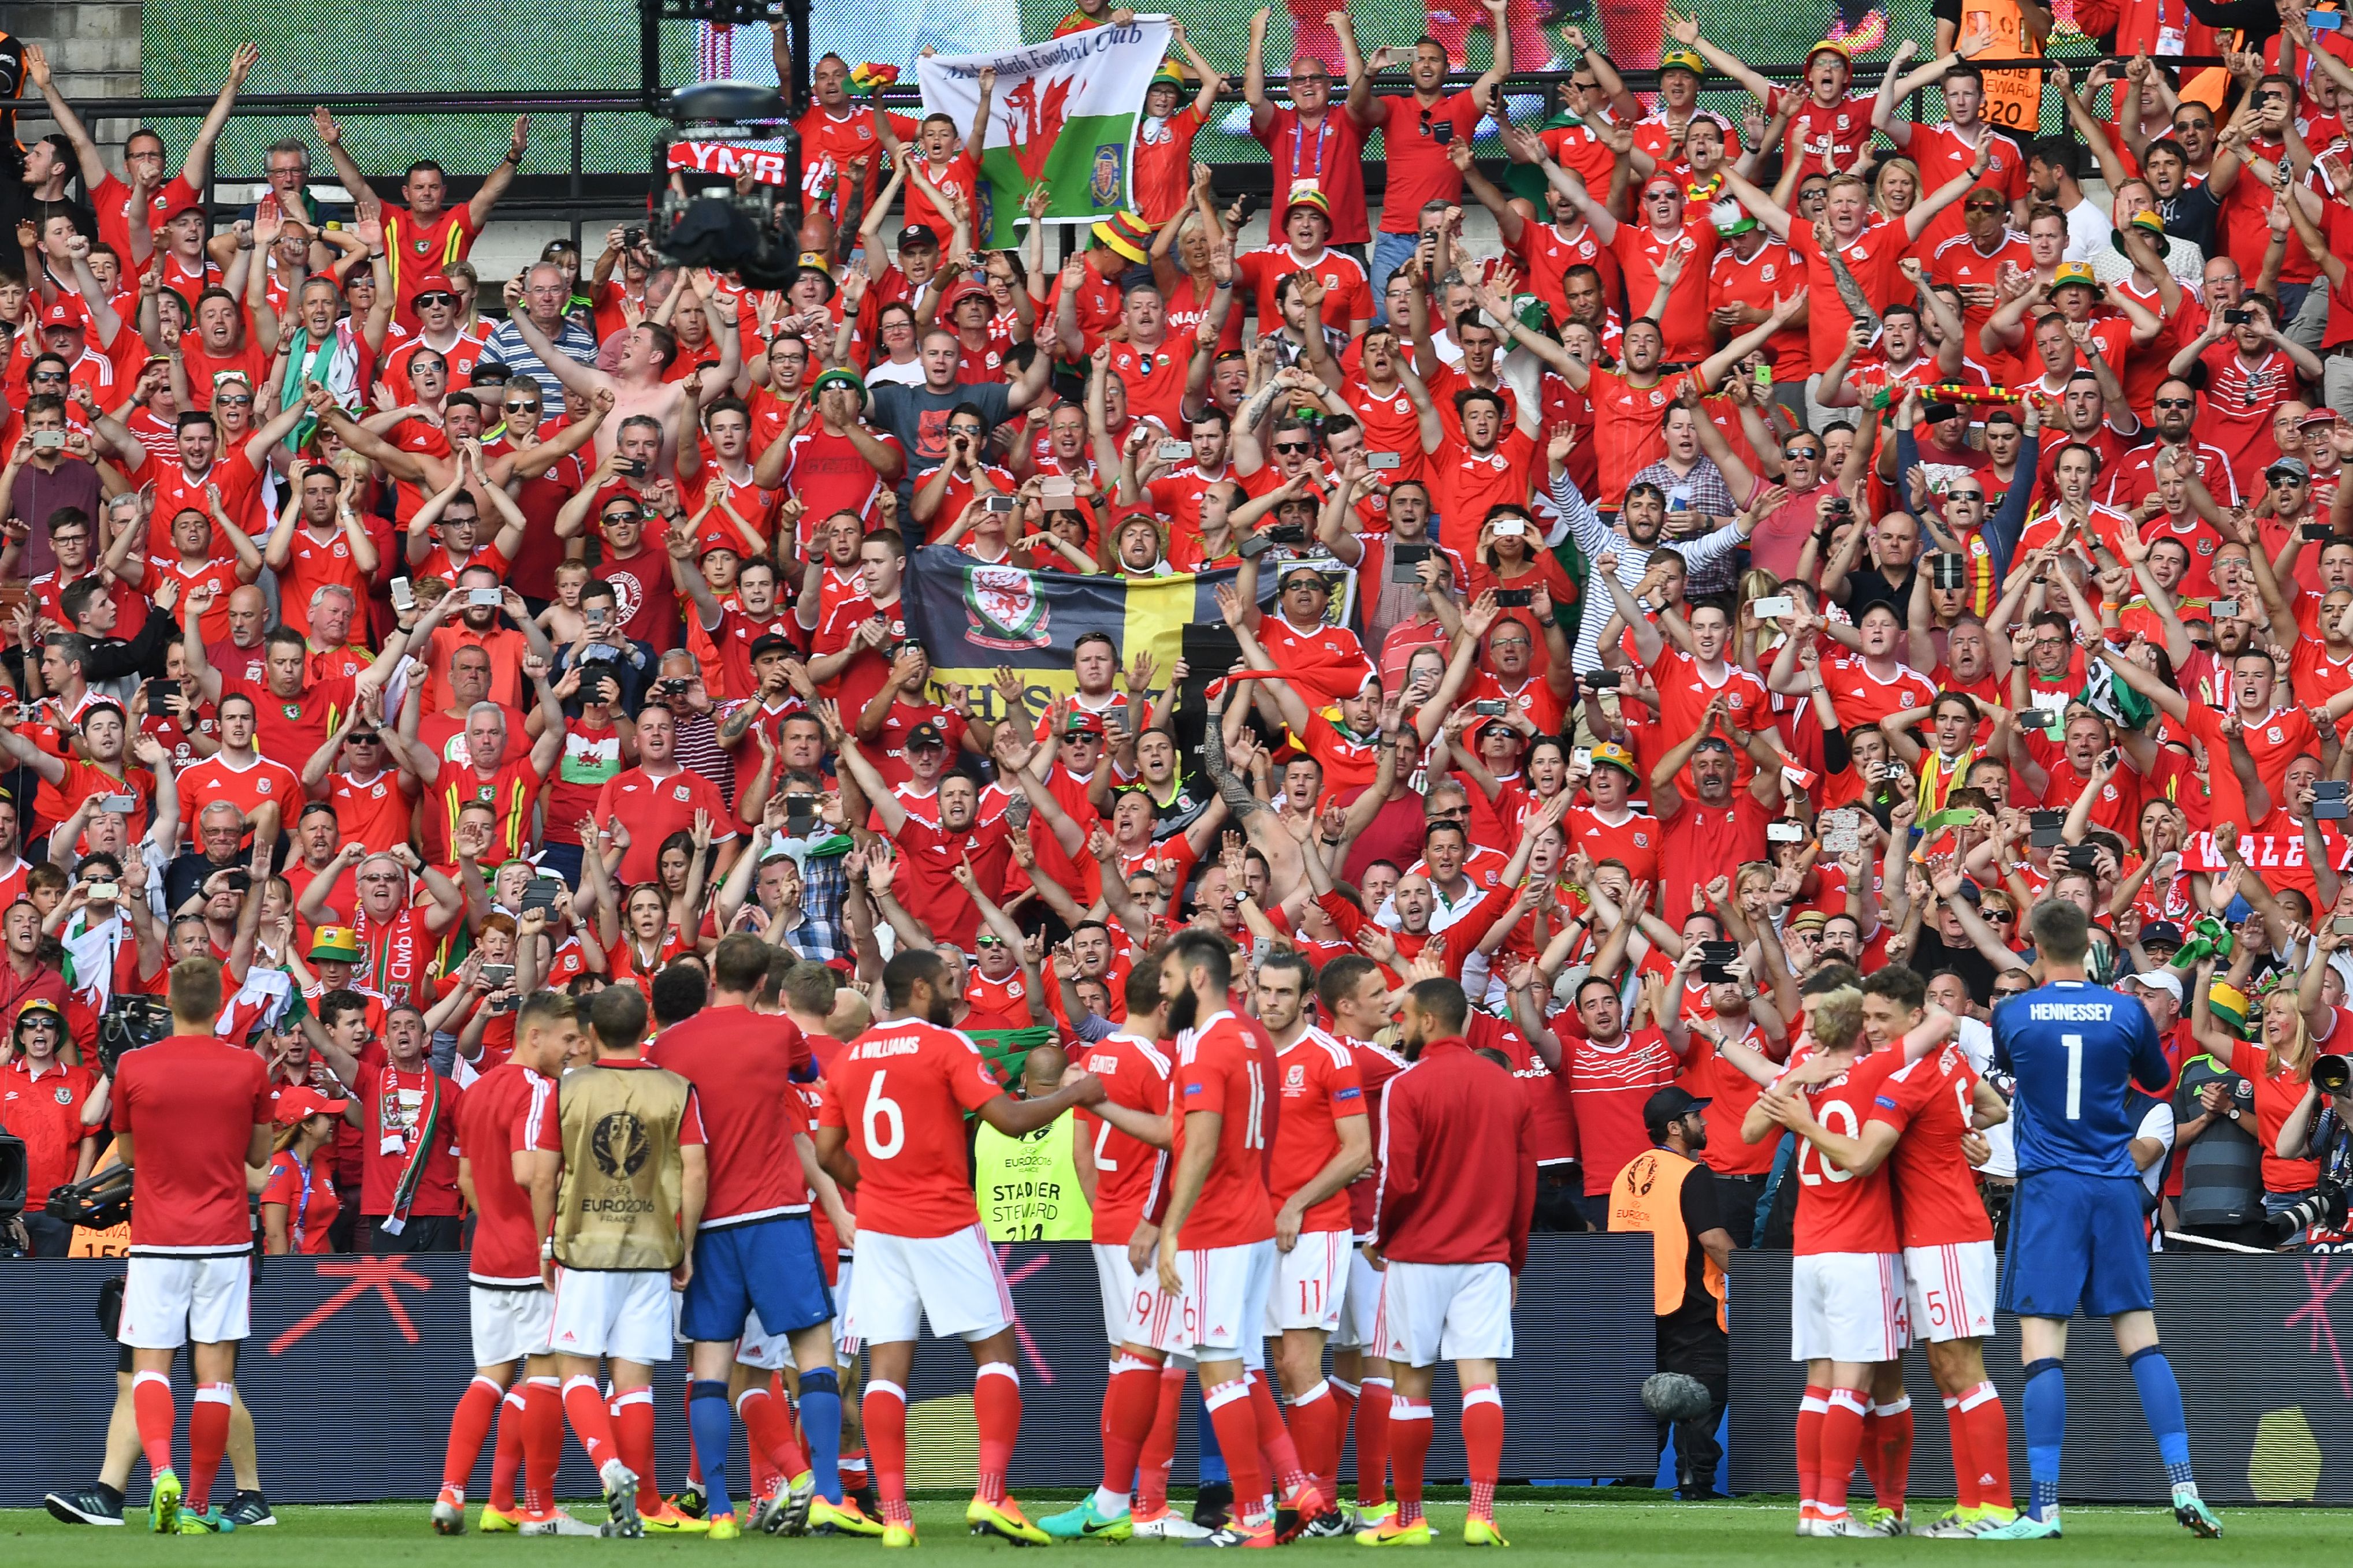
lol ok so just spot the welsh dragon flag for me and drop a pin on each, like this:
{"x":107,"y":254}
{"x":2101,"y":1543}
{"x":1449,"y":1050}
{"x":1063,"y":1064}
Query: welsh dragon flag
{"x":1062,"y":113}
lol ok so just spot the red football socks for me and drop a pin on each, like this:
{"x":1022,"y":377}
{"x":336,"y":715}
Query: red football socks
{"x":1131,"y":1404}
{"x":1409,"y":1423}
{"x":1482,"y":1445}
{"x":477,"y":1407}
{"x":1965,"y":1470}
{"x":207,"y":1439}
{"x":1160,"y":1447}
{"x":1373,"y":1442}
{"x":543,"y":1442}
{"x":1811,"y":1409}
{"x":1841,"y":1436}
{"x":884,"y":1411}
{"x":1988,"y":1425}
{"x":1274,"y":1442}
{"x":1895,"y":1451}
{"x":1315,"y":1421}
{"x":591,"y":1422}
{"x":768,"y":1425}
{"x":633,"y":1431}
{"x":506,"y":1457}
{"x":152,"y":1408}
{"x":996,"y":1412}
{"x":1237,"y":1428}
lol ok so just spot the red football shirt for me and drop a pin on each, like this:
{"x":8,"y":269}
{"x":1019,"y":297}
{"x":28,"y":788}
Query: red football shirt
{"x":190,"y":1103}
{"x":1838,"y":1211}
{"x":1935,"y":1192}
{"x":494,"y":1122}
{"x":1220,"y":1070}
{"x":1128,"y":1173}
{"x":904,"y":1088}
{"x":1319,"y":1086}
{"x":742,"y":1065}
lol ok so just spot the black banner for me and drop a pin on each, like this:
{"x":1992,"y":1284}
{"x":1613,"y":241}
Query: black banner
{"x":355,"y":1362}
{"x":2264,"y":1379}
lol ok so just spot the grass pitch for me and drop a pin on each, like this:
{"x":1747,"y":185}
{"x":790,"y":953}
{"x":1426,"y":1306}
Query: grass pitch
{"x":1636,"y":1528}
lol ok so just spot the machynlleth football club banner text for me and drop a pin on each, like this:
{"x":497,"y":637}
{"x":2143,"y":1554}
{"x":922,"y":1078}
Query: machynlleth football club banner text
{"x":1062,"y":113}
{"x":973,"y":618}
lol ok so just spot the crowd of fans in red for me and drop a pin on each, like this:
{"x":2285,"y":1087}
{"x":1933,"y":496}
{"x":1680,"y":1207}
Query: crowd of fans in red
{"x":1746,"y":553}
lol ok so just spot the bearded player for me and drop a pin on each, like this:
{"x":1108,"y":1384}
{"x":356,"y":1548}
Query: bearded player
{"x":1212,"y":1259}
{"x":1321,"y":1143}
{"x":1125,"y":1154}
{"x":896,"y":1131}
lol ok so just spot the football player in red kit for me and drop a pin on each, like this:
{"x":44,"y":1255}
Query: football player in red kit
{"x":1924,"y":1115}
{"x":894,"y":1132}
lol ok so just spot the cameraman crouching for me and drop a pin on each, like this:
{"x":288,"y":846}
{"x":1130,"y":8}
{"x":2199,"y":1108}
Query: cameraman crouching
{"x":2320,"y":1128}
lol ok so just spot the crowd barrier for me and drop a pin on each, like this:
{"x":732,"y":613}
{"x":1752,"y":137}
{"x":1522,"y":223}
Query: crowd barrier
{"x":355,"y":1362}
{"x":2263,"y":1373}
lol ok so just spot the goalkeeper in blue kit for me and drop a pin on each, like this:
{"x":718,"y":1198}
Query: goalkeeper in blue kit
{"x":2077,"y":1238}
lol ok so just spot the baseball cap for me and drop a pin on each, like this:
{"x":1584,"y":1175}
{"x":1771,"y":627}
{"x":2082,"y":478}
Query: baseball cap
{"x":2165,"y":979}
{"x":926,"y":735}
{"x":1676,"y":57}
{"x":1610,"y":755}
{"x":1831,"y":45}
{"x":768,"y":643}
{"x":918,"y":236}
{"x":1125,"y":232}
{"x":2292,"y":467}
{"x":64,"y":312}
{"x":335,"y":941}
{"x":1081,"y":722}
{"x":434,"y":283}
{"x":2160,"y":933}
{"x":301,"y":1102}
{"x":1669,"y":1104}
{"x":2071,"y":273}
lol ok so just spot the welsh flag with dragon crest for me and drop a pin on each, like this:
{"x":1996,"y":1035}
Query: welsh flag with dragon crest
{"x":1062,"y":113}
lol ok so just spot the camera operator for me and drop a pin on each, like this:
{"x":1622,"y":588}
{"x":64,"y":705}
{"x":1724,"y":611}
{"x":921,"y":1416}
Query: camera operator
{"x":2320,"y":1128}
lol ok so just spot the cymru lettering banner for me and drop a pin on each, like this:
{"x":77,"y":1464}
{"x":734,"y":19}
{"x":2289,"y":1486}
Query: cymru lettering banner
{"x":1061,"y":114}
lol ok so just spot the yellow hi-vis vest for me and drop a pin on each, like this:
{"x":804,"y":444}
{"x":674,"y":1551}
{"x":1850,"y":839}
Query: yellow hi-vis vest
{"x":1027,"y":1187}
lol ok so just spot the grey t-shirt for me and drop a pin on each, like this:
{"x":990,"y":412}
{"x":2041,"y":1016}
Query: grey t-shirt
{"x":918,"y":417}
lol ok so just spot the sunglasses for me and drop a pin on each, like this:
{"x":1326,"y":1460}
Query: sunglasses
{"x":1295,"y":446}
{"x":1991,"y":204}
{"x":2177,"y":403}
{"x":2003,"y":917}
{"x":609,"y":517}
{"x":1966,"y":495}
{"x":990,"y":942}
{"x":232,"y":402}
{"x":436,"y":297}
{"x":61,"y":376}
{"x":1802,"y":454}
{"x":519,"y":405}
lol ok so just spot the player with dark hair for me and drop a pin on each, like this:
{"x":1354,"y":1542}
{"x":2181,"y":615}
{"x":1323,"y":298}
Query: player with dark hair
{"x":894,"y":1131}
